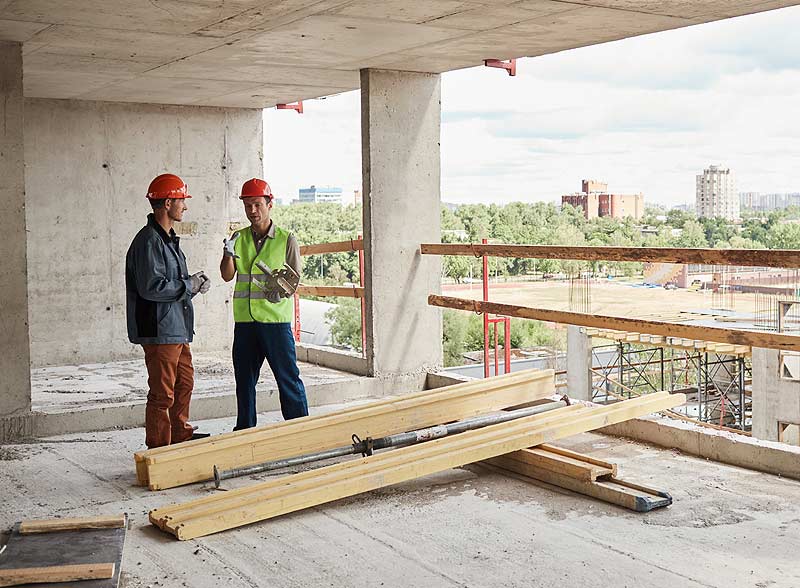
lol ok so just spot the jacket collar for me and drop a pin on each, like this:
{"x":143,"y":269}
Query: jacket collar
{"x":166,"y":237}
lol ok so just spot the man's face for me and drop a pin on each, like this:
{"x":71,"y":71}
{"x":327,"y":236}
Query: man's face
{"x":257,"y":209}
{"x":175,"y":208}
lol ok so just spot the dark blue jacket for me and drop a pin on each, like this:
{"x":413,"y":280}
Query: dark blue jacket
{"x":159,"y":300}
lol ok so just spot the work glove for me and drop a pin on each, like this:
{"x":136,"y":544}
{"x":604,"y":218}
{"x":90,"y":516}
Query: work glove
{"x":228,"y":250}
{"x":199,"y":283}
{"x":274,"y":297}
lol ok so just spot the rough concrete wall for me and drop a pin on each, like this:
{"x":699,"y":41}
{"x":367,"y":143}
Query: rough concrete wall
{"x":400,"y":124}
{"x":15,"y":389}
{"x":774,"y":399}
{"x":88,"y":165}
{"x":579,"y":363}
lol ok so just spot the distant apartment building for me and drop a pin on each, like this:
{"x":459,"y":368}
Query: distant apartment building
{"x":716,"y":194}
{"x":596,"y":201}
{"x":767,"y":202}
{"x":317,"y":194}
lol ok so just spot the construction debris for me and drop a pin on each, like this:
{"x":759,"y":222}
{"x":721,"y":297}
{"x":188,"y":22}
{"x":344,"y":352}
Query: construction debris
{"x":287,"y":494}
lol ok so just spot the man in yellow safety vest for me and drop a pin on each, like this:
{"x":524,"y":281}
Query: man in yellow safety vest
{"x":263,"y":318}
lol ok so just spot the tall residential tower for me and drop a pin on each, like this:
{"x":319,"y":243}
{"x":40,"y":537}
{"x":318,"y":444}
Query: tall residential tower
{"x":716,"y":194}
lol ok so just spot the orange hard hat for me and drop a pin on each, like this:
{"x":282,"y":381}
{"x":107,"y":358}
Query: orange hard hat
{"x":254,"y":188}
{"x":167,"y":186}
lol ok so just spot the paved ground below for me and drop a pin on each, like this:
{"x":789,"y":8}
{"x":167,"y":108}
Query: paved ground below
{"x":729,"y":527}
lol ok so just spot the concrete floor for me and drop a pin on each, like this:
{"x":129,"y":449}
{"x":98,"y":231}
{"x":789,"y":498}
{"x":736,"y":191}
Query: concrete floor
{"x":75,"y":387}
{"x":728,"y":527}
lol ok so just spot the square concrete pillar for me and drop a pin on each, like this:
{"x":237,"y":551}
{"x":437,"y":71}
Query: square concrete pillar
{"x":776,"y":399}
{"x":579,"y":364}
{"x":15,"y":372}
{"x":400,"y":123}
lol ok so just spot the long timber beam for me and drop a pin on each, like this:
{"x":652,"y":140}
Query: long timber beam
{"x":782,"y":258}
{"x":292,"y":493}
{"x":736,"y":337}
{"x":193,"y":461}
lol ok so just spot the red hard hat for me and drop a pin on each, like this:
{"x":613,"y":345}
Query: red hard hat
{"x":167,"y":186}
{"x":254,"y":188}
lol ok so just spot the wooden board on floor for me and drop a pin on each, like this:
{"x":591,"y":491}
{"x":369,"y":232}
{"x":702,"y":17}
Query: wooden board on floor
{"x":194,"y":461}
{"x":579,"y":473}
{"x":287,"y":494}
{"x":64,"y":548}
{"x":56,"y":574}
{"x":73,"y":524}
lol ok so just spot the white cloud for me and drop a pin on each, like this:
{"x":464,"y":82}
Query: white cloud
{"x":644,"y":114}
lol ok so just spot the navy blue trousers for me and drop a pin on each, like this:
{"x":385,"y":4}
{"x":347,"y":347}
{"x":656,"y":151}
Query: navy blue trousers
{"x":252,"y":344}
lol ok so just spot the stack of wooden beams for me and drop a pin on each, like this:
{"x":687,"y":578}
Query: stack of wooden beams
{"x":193,"y":461}
{"x":291,"y":493}
{"x":672,"y":342}
{"x":579,"y":473}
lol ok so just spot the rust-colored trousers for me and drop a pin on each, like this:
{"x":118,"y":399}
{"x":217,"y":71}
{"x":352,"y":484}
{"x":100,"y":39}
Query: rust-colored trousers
{"x":171,"y":380}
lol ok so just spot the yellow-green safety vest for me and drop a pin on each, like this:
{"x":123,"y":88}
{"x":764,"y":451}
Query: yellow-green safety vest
{"x":250,"y":303}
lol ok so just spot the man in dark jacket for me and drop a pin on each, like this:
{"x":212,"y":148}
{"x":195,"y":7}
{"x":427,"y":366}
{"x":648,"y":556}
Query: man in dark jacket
{"x":160,"y":313}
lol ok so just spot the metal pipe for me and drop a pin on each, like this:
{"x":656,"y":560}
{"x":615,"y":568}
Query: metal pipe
{"x":368,"y":445}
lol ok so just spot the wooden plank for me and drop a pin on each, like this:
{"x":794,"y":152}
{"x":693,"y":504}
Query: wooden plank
{"x":289,"y":494}
{"x":608,"y":489}
{"x":193,"y":461}
{"x":52,"y":525}
{"x":752,"y":338}
{"x":571,"y":466}
{"x":343,"y":291}
{"x":736,"y":257}
{"x":57,"y":574}
{"x":335,"y":247}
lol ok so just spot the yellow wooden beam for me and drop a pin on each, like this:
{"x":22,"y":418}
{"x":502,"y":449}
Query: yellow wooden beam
{"x":52,"y":525}
{"x":193,"y":461}
{"x":56,"y":574}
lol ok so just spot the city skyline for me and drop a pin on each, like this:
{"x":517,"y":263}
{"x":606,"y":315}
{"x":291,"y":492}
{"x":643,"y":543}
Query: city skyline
{"x":662,"y":108}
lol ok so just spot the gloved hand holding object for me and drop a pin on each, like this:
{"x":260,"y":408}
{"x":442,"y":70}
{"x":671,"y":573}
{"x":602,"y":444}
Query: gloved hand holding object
{"x":228,"y":250}
{"x":283,"y":282}
{"x":200,"y":283}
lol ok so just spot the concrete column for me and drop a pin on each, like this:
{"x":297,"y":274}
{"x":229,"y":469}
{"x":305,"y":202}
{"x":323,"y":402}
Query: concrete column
{"x":400,"y":122}
{"x":15,"y":372}
{"x":775,"y":399}
{"x":579,"y":364}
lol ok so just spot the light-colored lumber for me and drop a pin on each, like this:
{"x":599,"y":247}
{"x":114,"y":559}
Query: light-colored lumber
{"x":53,"y":525}
{"x":193,"y":461}
{"x":605,"y":486}
{"x":563,"y":462}
{"x":56,"y":574}
{"x":738,"y":257}
{"x":335,"y":247}
{"x":768,"y":340}
{"x":288,"y":494}
{"x":343,"y":291}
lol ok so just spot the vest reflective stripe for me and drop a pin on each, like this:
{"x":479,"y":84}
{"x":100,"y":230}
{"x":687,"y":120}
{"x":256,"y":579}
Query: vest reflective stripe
{"x":249,"y":301}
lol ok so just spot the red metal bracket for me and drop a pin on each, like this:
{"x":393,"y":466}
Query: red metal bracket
{"x":298,"y":106}
{"x":510,"y":66}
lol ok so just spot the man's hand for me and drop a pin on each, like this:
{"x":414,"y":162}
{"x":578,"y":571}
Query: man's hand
{"x":199,"y":283}
{"x":229,"y":250}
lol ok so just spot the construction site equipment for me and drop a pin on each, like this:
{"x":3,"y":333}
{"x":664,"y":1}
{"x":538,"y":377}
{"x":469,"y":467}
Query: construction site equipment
{"x":65,"y":550}
{"x":367,"y":446}
{"x":733,"y":336}
{"x":579,"y":473}
{"x":192,"y":461}
{"x":283,"y":281}
{"x":167,"y":186}
{"x":288,"y":494}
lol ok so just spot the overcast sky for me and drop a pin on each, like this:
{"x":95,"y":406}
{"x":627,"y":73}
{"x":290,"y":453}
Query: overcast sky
{"x":644,"y":114}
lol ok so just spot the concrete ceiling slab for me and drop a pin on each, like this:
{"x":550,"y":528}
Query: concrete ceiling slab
{"x":254,"y":53}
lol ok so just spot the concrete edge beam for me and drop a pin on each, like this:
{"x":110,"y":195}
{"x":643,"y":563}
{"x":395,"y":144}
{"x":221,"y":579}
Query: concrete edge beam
{"x":729,"y":448}
{"x":131,"y":415}
{"x":345,"y":361}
